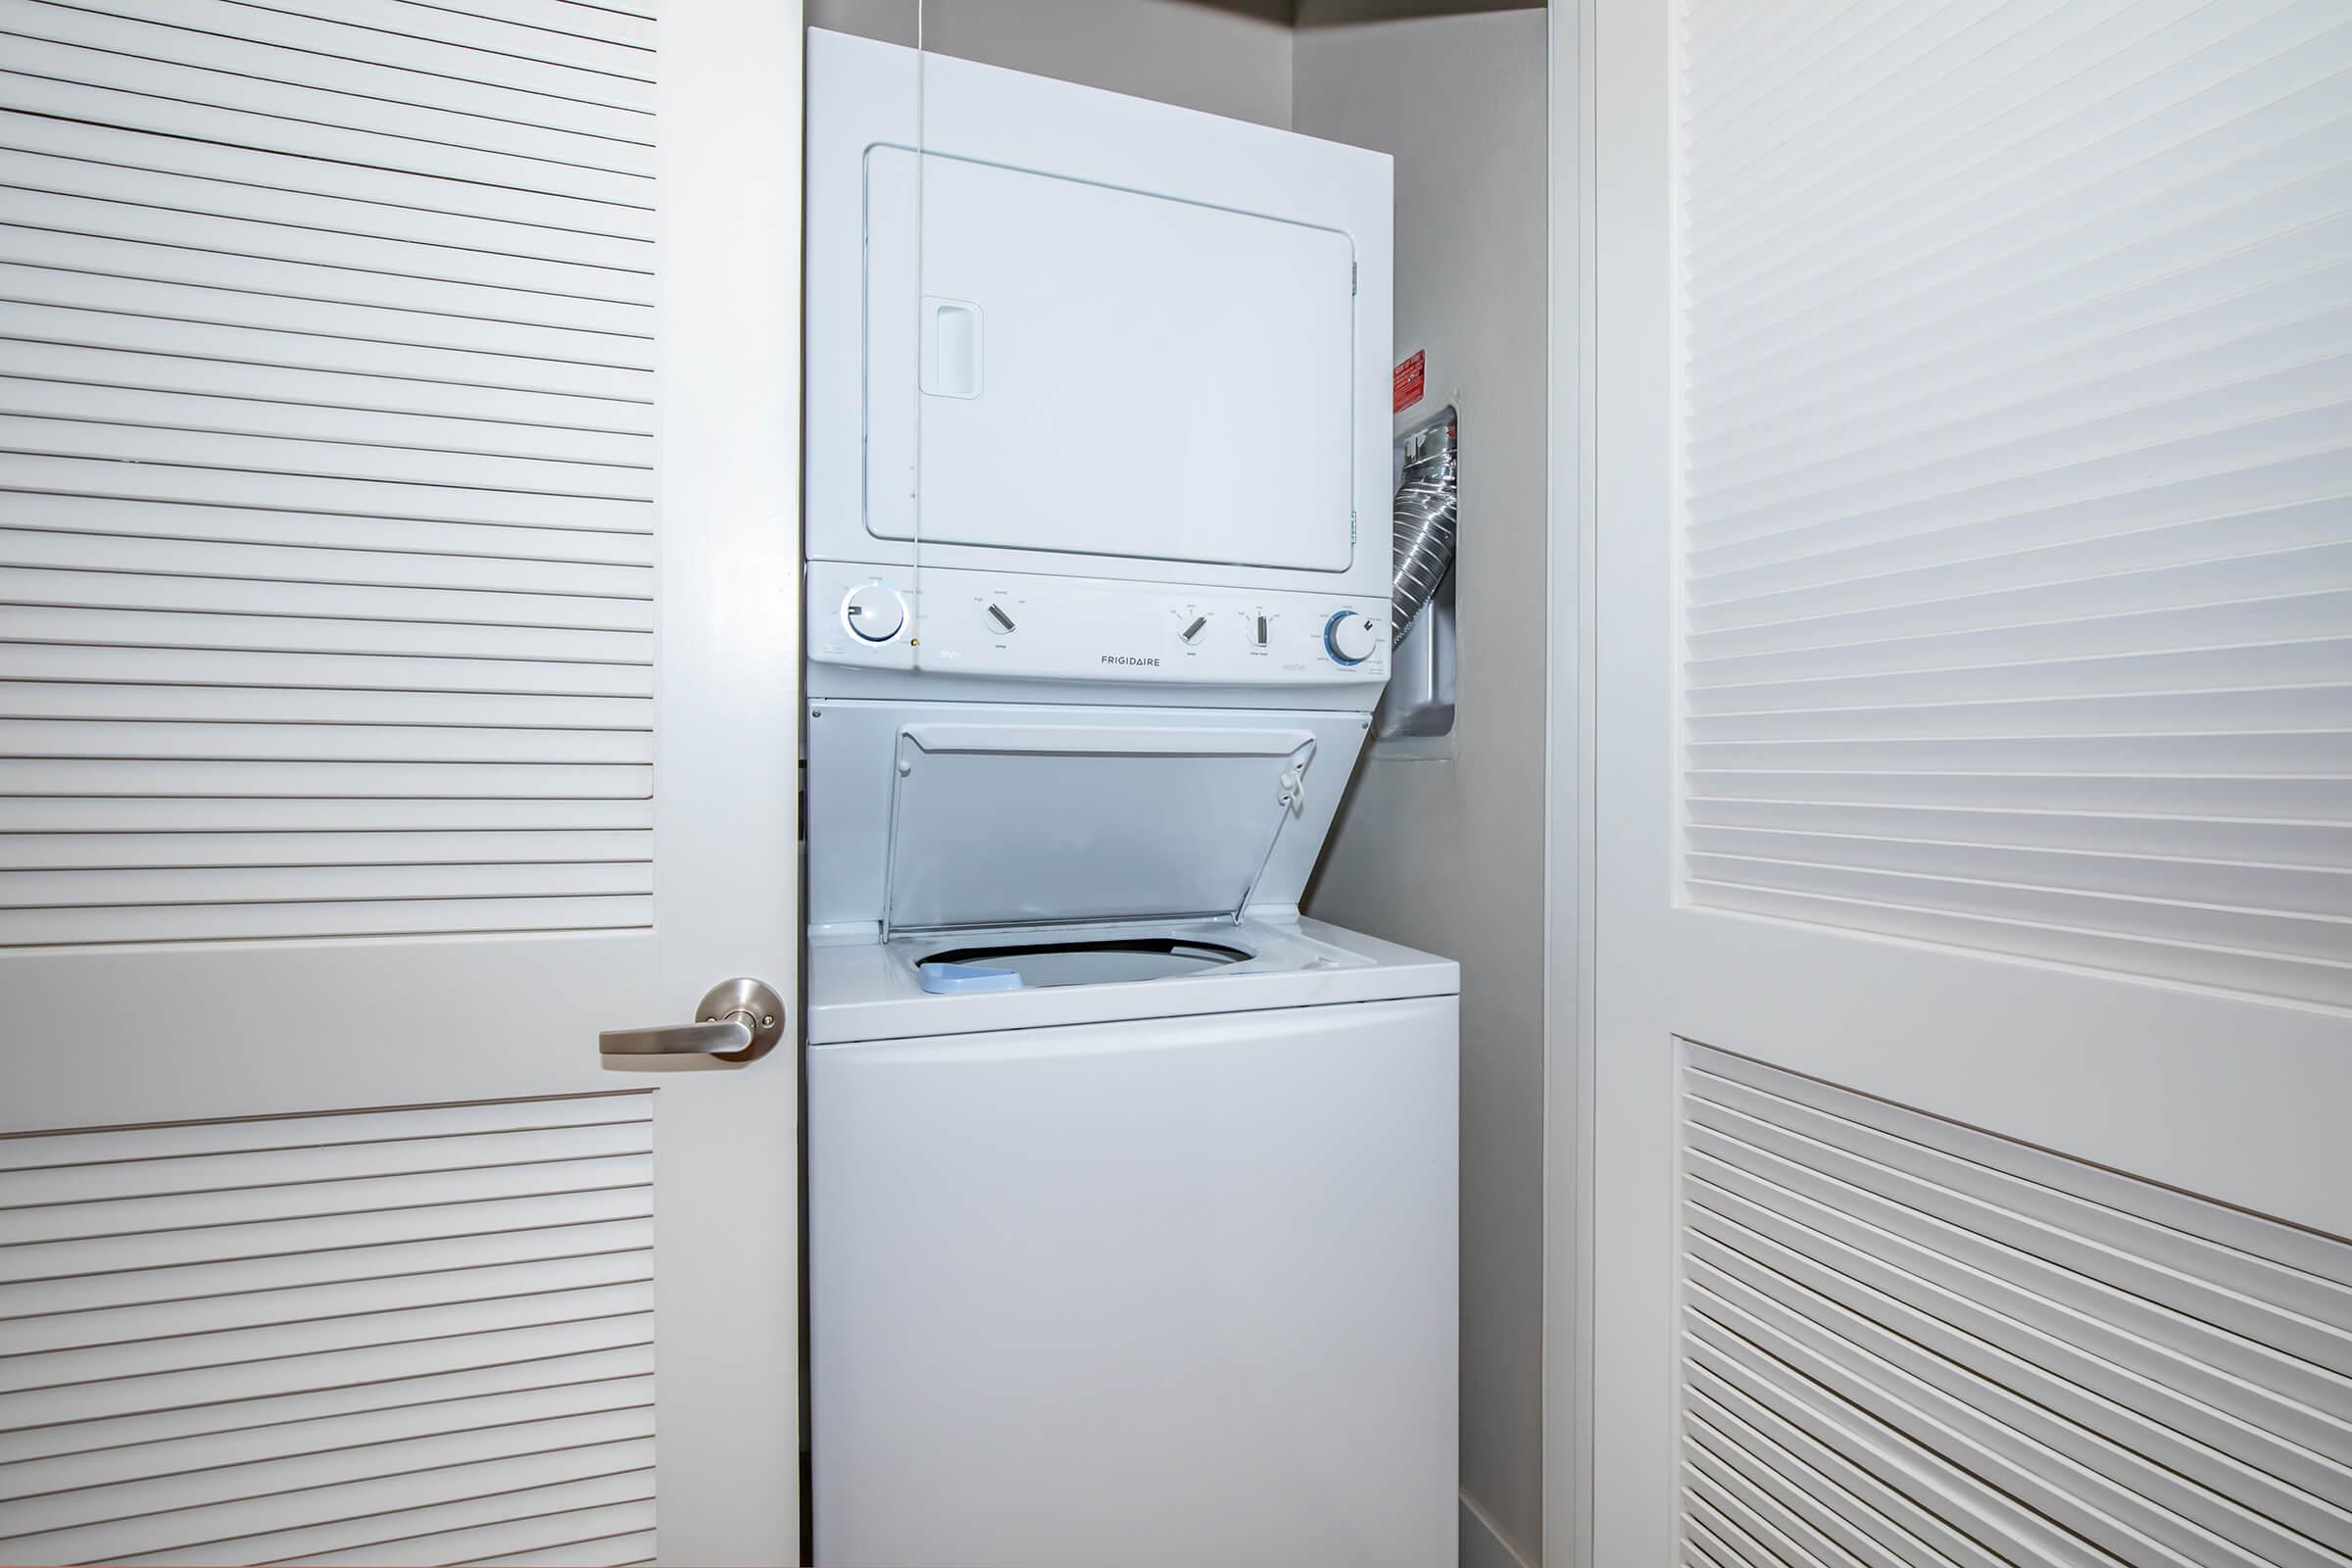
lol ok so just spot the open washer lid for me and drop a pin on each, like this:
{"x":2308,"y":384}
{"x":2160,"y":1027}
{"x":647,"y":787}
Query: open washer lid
{"x":998,"y":824}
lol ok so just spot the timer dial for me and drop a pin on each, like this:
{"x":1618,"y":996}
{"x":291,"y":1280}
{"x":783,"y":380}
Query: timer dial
{"x":874,"y":611}
{"x":1351,"y":638}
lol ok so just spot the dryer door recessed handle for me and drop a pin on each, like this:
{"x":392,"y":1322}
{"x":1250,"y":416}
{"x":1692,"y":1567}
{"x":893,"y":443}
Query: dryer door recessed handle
{"x":952,"y":348}
{"x":739,"y":1020}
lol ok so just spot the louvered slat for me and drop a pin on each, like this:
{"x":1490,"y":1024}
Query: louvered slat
{"x":492,"y":419}
{"x":2058,"y":1361}
{"x":619,"y":1536}
{"x":373,"y":34}
{"x":620,"y":22}
{"x":101,"y":272}
{"x":385,"y":1332}
{"x":184,"y":478}
{"x":485,"y":547}
{"x":224,"y":37}
{"x":2017,"y":478}
{"x":417,"y":438}
{"x":588,"y":37}
{"x":52,"y":70}
{"x":353,"y":205}
{"x":326,"y":468}
{"x":134,"y":818}
{"x":525,"y":1506}
{"x":561,"y":393}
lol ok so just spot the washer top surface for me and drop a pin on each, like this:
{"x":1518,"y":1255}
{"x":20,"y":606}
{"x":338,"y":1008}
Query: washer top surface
{"x":862,"y":989}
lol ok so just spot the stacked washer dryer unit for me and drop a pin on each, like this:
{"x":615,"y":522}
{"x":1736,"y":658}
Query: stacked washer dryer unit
{"x":1131,"y":1194}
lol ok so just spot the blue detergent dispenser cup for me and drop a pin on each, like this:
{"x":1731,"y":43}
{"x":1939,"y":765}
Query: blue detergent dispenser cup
{"x":953,"y":978}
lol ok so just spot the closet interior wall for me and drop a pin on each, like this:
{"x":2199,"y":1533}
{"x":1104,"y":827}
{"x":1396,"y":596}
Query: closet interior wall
{"x":1447,"y":853}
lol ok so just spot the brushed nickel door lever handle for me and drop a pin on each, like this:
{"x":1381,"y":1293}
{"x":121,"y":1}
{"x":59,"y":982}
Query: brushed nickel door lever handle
{"x":739,"y":1020}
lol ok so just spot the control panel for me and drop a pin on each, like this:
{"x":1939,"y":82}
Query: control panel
{"x":955,"y":621}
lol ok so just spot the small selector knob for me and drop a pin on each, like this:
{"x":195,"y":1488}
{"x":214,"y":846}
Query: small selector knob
{"x":1351,"y":638}
{"x":874,"y":611}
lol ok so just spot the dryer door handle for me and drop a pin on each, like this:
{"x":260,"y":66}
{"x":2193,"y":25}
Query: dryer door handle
{"x":952,"y":348}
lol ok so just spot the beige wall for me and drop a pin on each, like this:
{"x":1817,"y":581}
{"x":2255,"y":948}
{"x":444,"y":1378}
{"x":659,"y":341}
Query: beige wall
{"x":1448,"y":854}
{"x":1170,"y":50}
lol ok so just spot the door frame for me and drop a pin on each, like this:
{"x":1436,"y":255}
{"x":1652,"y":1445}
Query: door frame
{"x":732,"y":89}
{"x":1569,"y":826}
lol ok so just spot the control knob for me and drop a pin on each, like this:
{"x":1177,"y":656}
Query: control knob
{"x":1351,"y":638}
{"x":874,"y":611}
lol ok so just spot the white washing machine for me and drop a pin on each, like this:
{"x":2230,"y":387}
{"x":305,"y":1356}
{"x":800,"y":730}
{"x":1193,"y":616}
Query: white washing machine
{"x":1131,"y":1194}
{"x":1150,"y":1261}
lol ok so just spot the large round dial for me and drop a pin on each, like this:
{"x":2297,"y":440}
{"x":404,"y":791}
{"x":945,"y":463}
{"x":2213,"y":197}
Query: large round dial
{"x":1351,"y":638}
{"x":874,"y":611}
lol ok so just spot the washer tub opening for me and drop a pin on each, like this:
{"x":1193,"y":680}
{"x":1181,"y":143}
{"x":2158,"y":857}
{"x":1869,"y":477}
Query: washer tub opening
{"x":1100,"y":962}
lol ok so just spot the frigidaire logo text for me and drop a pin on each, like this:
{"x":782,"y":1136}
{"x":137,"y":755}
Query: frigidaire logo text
{"x":1127,"y":659}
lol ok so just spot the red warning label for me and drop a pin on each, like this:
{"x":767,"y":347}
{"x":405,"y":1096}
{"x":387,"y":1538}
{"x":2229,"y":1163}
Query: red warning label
{"x":1408,"y":380}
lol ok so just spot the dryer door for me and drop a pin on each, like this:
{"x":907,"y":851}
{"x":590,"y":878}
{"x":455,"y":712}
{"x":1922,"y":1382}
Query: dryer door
{"x":1102,"y":371}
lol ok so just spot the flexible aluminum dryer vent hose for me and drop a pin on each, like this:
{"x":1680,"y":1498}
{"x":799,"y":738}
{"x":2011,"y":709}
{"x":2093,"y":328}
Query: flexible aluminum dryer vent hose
{"x":1425,"y":506}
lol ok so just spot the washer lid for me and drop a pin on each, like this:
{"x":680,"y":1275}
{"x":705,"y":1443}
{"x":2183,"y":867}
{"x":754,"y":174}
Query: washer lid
{"x":1015,"y":825}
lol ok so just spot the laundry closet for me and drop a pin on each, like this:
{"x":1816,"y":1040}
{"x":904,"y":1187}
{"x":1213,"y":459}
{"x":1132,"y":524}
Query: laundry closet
{"x":1133,"y":782}
{"x":1176,"y":649}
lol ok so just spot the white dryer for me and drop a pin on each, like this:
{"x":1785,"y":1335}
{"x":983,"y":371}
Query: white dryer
{"x":1131,"y":1193}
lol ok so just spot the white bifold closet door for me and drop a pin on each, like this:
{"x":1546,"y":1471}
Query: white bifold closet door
{"x":1973,"y":453}
{"x":398,"y":662}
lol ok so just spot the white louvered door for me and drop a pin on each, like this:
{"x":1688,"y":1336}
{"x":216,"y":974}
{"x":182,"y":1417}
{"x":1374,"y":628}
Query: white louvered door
{"x":1973,"y":453}
{"x":399,"y":583}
